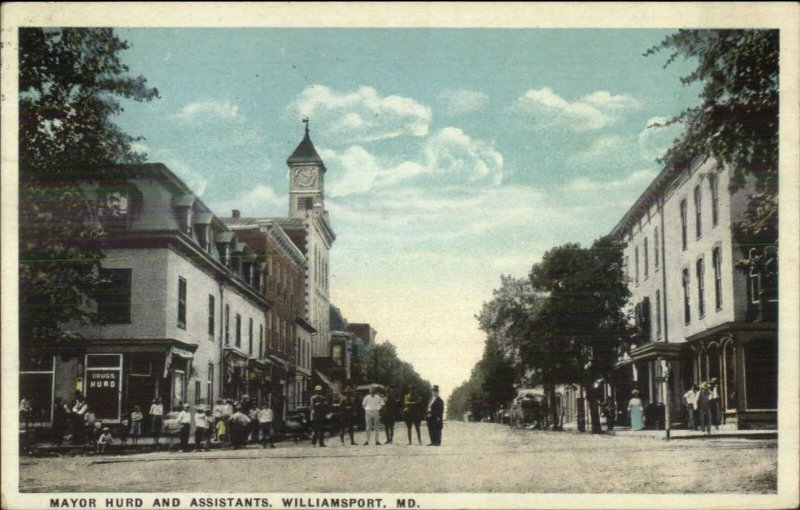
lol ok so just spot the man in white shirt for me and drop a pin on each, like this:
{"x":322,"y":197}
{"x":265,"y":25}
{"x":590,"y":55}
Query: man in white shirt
{"x":372,"y":405}
{"x":185,"y":422}
{"x":201,"y":425}
{"x":690,"y":397}
{"x":265,"y":418}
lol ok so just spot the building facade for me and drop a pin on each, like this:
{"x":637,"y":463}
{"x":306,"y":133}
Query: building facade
{"x":178,"y":296}
{"x":698,"y":317}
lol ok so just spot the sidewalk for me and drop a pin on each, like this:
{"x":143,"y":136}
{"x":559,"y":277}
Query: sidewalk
{"x":145,"y":445}
{"x":725,"y":431}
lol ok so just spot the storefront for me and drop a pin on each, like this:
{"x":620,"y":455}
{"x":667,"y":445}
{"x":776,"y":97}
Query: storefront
{"x":235,"y":372}
{"x":113,"y":375}
{"x":744,"y":361}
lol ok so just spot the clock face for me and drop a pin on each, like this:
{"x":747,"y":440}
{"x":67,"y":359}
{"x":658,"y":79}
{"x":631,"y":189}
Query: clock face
{"x":305,"y":177}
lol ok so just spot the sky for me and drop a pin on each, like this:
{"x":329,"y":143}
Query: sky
{"x":454,"y":156}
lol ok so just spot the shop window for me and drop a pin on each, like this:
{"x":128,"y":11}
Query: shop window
{"x":113,"y":296}
{"x":36,"y":386}
{"x":761,"y":373}
{"x":103,"y":385}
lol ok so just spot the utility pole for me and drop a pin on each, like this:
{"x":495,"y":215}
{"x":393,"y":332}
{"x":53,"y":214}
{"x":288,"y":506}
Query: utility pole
{"x":665,"y":378}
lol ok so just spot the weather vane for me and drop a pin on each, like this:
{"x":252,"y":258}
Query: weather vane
{"x":305,"y":121}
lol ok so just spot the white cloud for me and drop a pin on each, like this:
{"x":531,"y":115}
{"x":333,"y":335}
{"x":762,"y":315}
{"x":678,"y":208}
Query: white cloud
{"x":463,"y":101}
{"x":448,"y":156}
{"x":591,"y":112}
{"x":637,"y":179}
{"x":362,"y":114}
{"x":220,"y":108}
{"x":140,"y":147}
{"x":191,"y":177}
{"x":654,"y":140}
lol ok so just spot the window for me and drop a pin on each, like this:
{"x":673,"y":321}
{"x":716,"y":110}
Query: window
{"x":260,"y":340}
{"x":683,"y":224}
{"x":250,"y":336}
{"x":701,"y":304}
{"x":636,"y":264}
{"x":238,"y":330}
{"x":646,"y":259}
{"x":687,"y":310}
{"x":114,"y":296}
{"x":713,"y":184}
{"x":754,"y":285}
{"x":716,"y":260}
{"x":698,"y":217}
{"x":655,"y":249}
{"x":227,"y":324}
{"x":626,"y":269}
{"x":305,"y":203}
{"x":211,"y":313}
{"x":658,"y":314}
{"x":181,"y":303}
{"x":210,"y":384}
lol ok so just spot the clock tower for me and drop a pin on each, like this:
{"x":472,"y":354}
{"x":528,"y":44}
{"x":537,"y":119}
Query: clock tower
{"x":306,"y":179}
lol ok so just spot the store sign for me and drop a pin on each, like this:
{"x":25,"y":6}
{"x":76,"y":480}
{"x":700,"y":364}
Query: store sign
{"x":101,"y":379}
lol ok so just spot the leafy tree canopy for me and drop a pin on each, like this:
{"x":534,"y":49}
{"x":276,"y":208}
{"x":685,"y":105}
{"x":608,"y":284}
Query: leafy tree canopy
{"x":736,"y":122}
{"x":70,"y":84}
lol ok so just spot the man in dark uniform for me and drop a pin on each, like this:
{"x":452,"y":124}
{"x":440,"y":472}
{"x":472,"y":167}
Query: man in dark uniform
{"x":435,"y":417}
{"x":347,"y":415}
{"x":319,"y":409}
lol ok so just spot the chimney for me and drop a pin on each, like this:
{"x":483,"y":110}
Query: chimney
{"x":235,"y":213}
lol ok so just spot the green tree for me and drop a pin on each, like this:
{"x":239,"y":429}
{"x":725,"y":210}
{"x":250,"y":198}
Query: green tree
{"x":70,"y":83}
{"x":735,"y":123}
{"x":385,"y":367}
{"x":581,"y":327}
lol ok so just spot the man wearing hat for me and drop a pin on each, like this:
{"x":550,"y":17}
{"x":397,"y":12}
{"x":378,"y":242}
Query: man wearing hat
{"x":347,"y":415}
{"x":319,"y":408}
{"x":372,"y":405}
{"x":435,"y":417}
{"x":185,"y":422}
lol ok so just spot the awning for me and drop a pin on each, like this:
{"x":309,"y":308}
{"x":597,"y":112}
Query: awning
{"x":657,"y":350}
{"x":324,"y":379}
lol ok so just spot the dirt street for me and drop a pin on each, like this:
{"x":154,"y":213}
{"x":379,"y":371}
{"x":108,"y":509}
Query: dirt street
{"x":475,"y":457}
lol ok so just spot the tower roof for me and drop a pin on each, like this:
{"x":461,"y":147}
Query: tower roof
{"x":305,"y":151}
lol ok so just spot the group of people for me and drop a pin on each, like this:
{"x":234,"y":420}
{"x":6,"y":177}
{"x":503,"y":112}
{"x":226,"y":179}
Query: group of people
{"x":703,"y":406}
{"x":379,"y":408}
{"x":702,"y":403}
{"x":237,"y":422}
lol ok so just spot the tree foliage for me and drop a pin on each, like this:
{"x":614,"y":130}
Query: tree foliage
{"x":385,"y":367}
{"x":70,"y":84}
{"x":736,"y":122}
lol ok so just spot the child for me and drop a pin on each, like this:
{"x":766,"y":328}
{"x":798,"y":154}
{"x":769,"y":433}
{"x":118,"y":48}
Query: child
{"x":222,"y":431}
{"x":209,"y":432}
{"x":136,"y":424}
{"x":104,"y":440}
{"x":123,"y":430}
